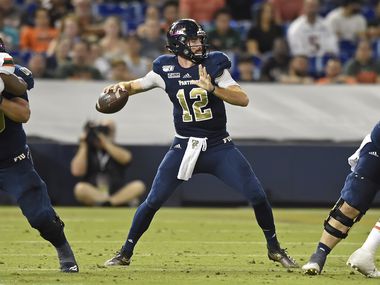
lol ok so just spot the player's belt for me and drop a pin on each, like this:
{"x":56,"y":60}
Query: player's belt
{"x":5,"y":163}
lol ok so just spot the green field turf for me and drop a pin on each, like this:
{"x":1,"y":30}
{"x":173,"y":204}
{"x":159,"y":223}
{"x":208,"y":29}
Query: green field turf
{"x":182,"y":246}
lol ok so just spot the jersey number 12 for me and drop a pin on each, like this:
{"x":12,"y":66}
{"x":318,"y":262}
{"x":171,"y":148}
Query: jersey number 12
{"x":199,"y":113}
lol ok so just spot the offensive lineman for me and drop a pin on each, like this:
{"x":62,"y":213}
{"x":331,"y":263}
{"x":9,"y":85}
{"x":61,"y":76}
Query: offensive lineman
{"x":357,"y":195}
{"x":17,"y":175}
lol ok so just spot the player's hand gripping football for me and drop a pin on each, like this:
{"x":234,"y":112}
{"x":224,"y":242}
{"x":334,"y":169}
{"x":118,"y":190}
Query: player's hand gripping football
{"x":114,"y":87}
{"x":205,"y":80}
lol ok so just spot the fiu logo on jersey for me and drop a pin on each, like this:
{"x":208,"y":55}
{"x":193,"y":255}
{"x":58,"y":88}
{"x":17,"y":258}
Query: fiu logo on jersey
{"x":19,"y":157}
{"x":194,"y":144}
{"x":186,"y":82}
{"x":167,"y":68}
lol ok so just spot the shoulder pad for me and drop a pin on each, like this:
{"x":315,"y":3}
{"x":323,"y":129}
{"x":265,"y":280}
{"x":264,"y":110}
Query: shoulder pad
{"x":6,"y":63}
{"x":216,"y":63}
{"x":375,"y":135}
{"x":163,"y":63}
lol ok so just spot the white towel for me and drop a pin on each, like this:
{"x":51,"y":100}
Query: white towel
{"x":193,"y":149}
{"x":353,"y":159}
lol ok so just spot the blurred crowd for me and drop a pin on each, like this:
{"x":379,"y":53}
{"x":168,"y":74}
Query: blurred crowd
{"x":285,"y":41}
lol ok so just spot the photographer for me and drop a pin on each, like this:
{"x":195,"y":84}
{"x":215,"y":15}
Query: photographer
{"x":101,"y":165}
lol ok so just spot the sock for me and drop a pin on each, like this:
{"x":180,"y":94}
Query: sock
{"x":65,"y":254}
{"x":141,"y":221}
{"x":372,"y":242}
{"x":323,"y":249}
{"x":264,"y":217}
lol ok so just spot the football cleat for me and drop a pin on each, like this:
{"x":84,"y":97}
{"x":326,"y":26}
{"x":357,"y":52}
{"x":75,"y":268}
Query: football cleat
{"x":315,"y":265}
{"x":118,"y":260}
{"x":69,"y":267}
{"x":280,"y":255}
{"x":363,"y":261}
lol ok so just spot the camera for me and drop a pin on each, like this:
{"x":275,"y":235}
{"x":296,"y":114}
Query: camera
{"x":93,"y":130}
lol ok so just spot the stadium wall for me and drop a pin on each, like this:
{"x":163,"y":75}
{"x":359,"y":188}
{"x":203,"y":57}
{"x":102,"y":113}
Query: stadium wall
{"x":292,"y":174}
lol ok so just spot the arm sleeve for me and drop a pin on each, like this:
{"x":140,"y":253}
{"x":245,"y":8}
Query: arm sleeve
{"x":151,"y":80}
{"x":225,"y":80}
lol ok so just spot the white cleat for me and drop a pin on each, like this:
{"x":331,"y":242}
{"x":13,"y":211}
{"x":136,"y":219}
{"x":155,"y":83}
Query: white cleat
{"x":363,"y":261}
{"x":311,"y":268}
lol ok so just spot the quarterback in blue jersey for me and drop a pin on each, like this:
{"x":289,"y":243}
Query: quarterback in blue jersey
{"x":358,"y":192}
{"x":197,"y":83}
{"x":17,"y":175}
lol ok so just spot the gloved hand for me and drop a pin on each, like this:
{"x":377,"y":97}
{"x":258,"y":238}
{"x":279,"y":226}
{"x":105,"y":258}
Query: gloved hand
{"x":25,"y":74}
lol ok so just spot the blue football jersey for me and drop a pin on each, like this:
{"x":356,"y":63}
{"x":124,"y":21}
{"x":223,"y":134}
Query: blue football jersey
{"x":196,"y":112}
{"x":12,"y":134}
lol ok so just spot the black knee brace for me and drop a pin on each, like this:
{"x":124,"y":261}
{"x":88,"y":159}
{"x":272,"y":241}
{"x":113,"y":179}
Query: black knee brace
{"x":50,"y":228}
{"x":337,"y":214}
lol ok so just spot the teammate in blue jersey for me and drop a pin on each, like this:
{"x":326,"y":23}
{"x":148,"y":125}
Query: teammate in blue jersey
{"x":17,"y":175}
{"x":198,"y":83}
{"x":357,"y":195}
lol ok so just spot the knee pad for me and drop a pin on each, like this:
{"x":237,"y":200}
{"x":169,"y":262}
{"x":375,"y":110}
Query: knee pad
{"x":338,"y":215}
{"x":50,"y":227}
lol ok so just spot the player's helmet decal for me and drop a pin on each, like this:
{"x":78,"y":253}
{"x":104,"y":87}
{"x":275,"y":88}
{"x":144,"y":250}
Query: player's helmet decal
{"x":180,"y":33}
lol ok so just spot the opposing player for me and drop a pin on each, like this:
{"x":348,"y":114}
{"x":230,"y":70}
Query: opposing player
{"x":357,"y":195}
{"x":17,"y":175}
{"x":197,"y":83}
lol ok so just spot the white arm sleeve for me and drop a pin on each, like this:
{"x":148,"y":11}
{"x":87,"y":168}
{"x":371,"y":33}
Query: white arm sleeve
{"x":151,"y":80}
{"x":225,"y":80}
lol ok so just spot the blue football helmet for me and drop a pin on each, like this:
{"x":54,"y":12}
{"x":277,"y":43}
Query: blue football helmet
{"x":178,"y":37}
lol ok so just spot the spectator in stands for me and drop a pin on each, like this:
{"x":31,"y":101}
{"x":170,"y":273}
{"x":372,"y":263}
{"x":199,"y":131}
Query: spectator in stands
{"x":80,"y":66}
{"x":9,"y":35}
{"x":298,"y":72}
{"x":222,"y":36}
{"x":363,"y":68}
{"x":137,"y":64}
{"x":70,"y":31}
{"x":38,"y":66}
{"x":241,"y":10}
{"x":373,"y":31}
{"x":98,"y":60}
{"x":276,"y":65}
{"x":11,"y":13}
{"x":334,"y":74}
{"x":61,"y":56}
{"x":38,"y":38}
{"x":152,"y":42}
{"x":308,"y":35}
{"x":152,"y":15}
{"x":347,"y":22}
{"x":120,"y":71}
{"x":170,"y":14}
{"x":100,"y":164}
{"x":58,"y":9}
{"x":91,"y":26}
{"x":246,"y":69}
{"x":112,"y":43}
{"x":264,"y":31}
{"x":287,"y":10}
{"x":199,"y":10}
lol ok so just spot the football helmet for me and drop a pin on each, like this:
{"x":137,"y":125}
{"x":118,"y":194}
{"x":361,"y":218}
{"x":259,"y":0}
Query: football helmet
{"x":178,"y":37}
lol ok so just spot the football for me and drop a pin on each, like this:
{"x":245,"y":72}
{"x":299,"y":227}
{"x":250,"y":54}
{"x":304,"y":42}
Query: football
{"x":112,"y":102}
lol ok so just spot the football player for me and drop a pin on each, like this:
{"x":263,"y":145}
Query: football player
{"x":198,"y":83}
{"x":17,"y":175}
{"x":357,"y":195}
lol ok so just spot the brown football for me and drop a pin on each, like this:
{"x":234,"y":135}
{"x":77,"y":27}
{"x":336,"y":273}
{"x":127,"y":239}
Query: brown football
{"x":112,"y":102}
